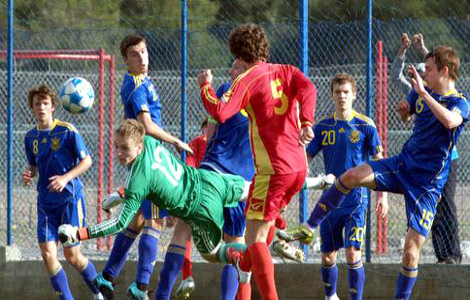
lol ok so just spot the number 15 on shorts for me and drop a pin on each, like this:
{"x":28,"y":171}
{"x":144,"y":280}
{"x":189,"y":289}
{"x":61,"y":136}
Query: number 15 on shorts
{"x":426,"y":219}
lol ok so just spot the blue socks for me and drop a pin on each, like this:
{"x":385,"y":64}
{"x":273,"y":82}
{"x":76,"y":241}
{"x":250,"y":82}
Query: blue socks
{"x":229,"y":282}
{"x":329,"y":275}
{"x":357,"y":277}
{"x":61,"y":285}
{"x":148,"y":249}
{"x":405,"y":282}
{"x":118,"y":256}
{"x":174,"y":259}
{"x":329,"y":200}
{"x":88,"y":274}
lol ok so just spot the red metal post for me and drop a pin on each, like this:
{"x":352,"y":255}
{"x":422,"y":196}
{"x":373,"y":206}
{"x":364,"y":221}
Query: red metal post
{"x":380,"y":76}
{"x":99,"y":242}
{"x":109,"y":241}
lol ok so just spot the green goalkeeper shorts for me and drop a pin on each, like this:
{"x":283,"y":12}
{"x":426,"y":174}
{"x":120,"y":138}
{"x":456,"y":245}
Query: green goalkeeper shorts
{"x":217,"y":191}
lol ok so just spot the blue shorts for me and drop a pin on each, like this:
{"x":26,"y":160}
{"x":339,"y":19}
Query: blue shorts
{"x":50,"y":218}
{"x":234,"y":217}
{"x":352,"y":220}
{"x":420,"y":198}
{"x":152,"y":211}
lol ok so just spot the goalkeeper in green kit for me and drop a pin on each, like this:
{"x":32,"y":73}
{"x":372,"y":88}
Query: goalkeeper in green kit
{"x":195,"y":196}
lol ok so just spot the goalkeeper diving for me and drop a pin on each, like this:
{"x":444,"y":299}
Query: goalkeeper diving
{"x":195,"y":196}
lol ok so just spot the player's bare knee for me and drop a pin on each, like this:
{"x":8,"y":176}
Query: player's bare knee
{"x":350,"y":178}
{"x":410,"y":257}
{"x":73,"y":256}
{"x":329,"y":258}
{"x":353,"y":254}
{"x":49,"y":257}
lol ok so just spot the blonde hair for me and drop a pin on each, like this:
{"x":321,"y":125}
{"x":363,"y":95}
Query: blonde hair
{"x":131,"y":129}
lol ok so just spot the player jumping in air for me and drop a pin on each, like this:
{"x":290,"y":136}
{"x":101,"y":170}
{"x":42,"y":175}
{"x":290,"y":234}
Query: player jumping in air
{"x":420,"y":170}
{"x":271,"y":95}
{"x":195,"y":196}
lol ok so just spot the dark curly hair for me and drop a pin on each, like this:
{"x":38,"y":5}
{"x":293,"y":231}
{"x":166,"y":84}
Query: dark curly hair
{"x":249,"y":43}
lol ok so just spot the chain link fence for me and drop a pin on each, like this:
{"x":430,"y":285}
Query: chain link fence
{"x":333,"y":47}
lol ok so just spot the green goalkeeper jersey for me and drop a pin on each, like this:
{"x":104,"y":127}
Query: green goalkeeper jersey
{"x":163,"y":179}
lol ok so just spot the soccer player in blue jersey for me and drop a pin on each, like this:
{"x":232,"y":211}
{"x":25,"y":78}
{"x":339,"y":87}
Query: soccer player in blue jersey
{"x":421,"y":169}
{"x":141,"y":102}
{"x":57,"y":154}
{"x":347,"y":139}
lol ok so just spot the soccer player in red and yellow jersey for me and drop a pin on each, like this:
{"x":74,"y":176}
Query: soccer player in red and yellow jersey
{"x":280,"y":102}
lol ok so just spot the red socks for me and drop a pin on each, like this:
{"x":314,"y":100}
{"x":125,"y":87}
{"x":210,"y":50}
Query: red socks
{"x":263,"y":270}
{"x":187,"y":264}
{"x":244,"y":291}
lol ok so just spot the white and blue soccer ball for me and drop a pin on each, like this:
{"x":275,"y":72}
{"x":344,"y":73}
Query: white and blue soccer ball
{"x":76,"y":95}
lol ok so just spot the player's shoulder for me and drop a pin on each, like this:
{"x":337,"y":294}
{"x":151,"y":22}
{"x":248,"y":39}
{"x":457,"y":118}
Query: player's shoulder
{"x":328,"y":121}
{"x":361,"y":119}
{"x":62,"y":126}
{"x":456,"y":96}
{"x":132,"y":81}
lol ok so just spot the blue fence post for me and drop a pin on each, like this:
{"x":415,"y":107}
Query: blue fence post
{"x":303,"y":16}
{"x":184,"y":70}
{"x":10,"y":125}
{"x":369,"y":113}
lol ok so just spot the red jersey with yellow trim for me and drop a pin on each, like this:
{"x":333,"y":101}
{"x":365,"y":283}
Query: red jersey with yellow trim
{"x":198,"y":145}
{"x":271,"y":95}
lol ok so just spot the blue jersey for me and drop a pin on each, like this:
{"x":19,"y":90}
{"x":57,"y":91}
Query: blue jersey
{"x":427,"y":153}
{"x":55,"y":152}
{"x":229,"y":150}
{"x":345,"y":144}
{"x":138,"y":95}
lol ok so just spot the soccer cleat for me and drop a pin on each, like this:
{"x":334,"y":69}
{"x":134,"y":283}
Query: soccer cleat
{"x":302,"y":233}
{"x":333,"y":297}
{"x":134,"y":293}
{"x":235,"y":256}
{"x":284,"y":250}
{"x":185,"y":289}
{"x":106,"y":287}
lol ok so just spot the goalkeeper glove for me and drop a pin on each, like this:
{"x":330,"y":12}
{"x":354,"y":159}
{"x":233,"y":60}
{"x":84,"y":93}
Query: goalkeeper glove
{"x":70,"y":235}
{"x":112,"y":200}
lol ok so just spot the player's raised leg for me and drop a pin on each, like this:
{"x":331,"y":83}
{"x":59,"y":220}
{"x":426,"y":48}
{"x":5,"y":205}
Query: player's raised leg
{"x":362,"y":175}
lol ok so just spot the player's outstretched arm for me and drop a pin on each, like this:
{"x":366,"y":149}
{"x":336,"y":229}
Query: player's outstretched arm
{"x":158,"y":133}
{"x":58,"y":182}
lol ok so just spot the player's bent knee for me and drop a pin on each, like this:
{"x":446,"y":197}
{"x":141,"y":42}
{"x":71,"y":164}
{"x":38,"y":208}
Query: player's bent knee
{"x":329,"y":258}
{"x":353,"y":254}
{"x":410,"y":258}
